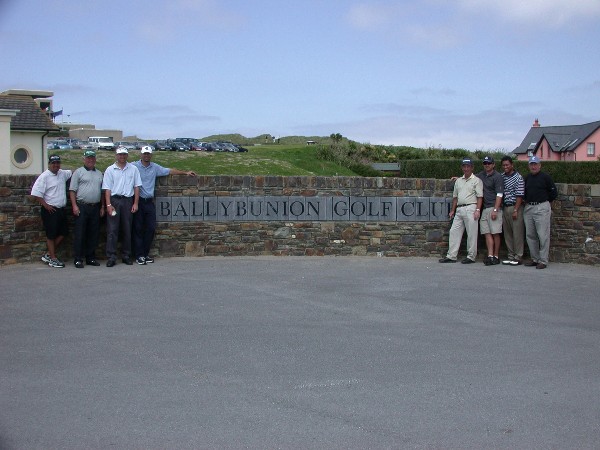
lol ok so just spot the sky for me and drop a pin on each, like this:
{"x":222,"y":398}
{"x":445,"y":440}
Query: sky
{"x":470,"y":74}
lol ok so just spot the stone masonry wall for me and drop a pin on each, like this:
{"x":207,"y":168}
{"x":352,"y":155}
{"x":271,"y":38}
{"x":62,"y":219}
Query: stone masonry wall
{"x":575,"y":227}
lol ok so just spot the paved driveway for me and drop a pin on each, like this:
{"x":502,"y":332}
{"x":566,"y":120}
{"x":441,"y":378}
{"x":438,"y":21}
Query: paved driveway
{"x":299,"y":352}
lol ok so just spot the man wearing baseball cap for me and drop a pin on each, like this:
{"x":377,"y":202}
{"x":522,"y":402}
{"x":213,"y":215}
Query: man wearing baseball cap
{"x":539,"y":192}
{"x":50,"y":190}
{"x":490,"y":224}
{"x":144,"y":221}
{"x":87,"y":204}
{"x":467,"y":198}
{"x":121,"y":186}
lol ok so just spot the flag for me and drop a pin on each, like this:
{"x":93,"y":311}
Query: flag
{"x":56,"y":114}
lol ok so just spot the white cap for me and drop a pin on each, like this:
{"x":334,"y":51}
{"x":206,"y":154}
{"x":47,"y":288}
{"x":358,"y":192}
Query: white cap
{"x":122,"y":150}
{"x":146,"y":149}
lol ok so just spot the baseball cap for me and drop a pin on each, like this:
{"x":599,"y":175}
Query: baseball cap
{"x":488,"y":159}
{"x":122,"y":150}
{"x":146,"y":149}
{"x":466,"y":161}
{"x":53,"y":158}
{"x":89,"y":153}
{"x":534,"y":160}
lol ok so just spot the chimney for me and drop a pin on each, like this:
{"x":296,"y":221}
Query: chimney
{"x":536,"y":124}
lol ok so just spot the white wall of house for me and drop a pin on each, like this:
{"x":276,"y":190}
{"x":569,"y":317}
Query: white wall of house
{"x":30,"y":142}
{"x":6,"y":116}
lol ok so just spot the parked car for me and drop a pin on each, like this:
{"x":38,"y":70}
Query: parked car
{"x":215,"y":147}
{"x":128,"y":145}
{"x":240,"y":148}
{"x":162,"y":145}
{"x":196,"y":146}
{"x":59,"y":144}
{"x":75,"y":143}
{"x":179,"y":146}
{"x":228,"y":146}
{"x":101,"y":142}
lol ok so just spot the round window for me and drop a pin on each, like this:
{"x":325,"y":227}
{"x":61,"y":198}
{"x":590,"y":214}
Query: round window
{"x":21,"y":157}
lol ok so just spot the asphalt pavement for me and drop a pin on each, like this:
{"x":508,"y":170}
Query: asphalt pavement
{"x":299,"y":352}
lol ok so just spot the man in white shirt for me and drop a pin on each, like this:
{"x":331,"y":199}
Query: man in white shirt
{"x":50,"y":190}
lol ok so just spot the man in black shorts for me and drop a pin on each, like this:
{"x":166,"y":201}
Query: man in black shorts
{"x":50,"y":190}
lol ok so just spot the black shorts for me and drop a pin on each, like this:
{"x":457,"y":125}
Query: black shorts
{"x":55,"y":223}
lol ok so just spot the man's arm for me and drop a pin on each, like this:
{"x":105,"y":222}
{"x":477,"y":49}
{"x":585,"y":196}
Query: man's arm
{"x":73,"y":198}
{"x":181,"y":172}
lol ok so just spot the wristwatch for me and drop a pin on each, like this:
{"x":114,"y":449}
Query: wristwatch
{"x":495,"y":210}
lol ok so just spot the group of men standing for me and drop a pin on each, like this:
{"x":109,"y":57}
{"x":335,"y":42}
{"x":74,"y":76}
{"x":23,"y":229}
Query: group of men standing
{"x":494,"y":203}
{"x":124,"y":194}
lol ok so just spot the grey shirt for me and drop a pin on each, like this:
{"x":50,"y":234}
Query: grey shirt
{"x":492,"y":186}
{"x":87,"y":184}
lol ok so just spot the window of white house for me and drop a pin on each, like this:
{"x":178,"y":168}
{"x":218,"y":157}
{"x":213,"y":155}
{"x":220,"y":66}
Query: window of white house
{"x":591,"y":149}
{"x":21,"y":157}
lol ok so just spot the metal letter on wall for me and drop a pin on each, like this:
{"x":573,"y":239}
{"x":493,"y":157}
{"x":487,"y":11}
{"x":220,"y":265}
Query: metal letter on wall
{"x":302,"y":209}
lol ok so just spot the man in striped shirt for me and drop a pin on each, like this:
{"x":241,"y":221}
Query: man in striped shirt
{"x":513,"y":225}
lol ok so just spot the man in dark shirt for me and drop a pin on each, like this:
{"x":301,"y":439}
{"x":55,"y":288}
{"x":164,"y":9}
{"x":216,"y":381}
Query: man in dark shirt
{"x":539,"y":192}
{"x":490,"y":224}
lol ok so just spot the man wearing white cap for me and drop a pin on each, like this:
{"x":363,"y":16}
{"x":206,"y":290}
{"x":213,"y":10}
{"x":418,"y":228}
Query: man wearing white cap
{"x":144,"y":221}
{"x":539,"y":192}
{"x":121,"y":185}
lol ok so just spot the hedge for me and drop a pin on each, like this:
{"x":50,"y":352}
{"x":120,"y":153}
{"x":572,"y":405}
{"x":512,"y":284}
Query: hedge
{"x":561,"y":171}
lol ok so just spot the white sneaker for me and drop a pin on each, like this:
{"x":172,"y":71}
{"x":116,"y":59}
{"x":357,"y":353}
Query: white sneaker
{"x":507,"y":261}
{"x":46,"y":258}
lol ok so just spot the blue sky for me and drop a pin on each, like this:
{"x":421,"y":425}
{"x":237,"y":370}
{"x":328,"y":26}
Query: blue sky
{"x":463,"y":73}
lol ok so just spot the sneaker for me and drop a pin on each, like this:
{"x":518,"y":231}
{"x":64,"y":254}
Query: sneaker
{"x":79,"y":264}
{"x":149,"y":259}
{"x":531,"y":264}
{"x":495,"y":260}
{"x":447,"y":260}
{"x":507,"y":262}
{"x":141,"y":260}
{"x":92,"y":262}
{"x":516,"y":262}
{"x":56,"y":263}
{"x":489,"y":261}
{"x":46,"y":258}
{"x":467,"y":261}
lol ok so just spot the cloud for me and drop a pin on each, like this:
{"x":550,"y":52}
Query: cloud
{"x":501,"y":129}
{"x":439,"y":24}
{"x":549,"y":13}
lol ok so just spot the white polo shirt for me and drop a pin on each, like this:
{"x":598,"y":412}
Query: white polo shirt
{"x":52,"y":187}
{"x":121,"y":181}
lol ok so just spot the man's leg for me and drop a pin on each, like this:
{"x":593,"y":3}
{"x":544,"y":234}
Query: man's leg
{"x":138,"y":231}
{"x":126,"y":226}
{"x":531,"y":233}
{"x":92,"y":232}
{"x":544,"y":214}
{"x":150,"y":226}
{"x":456,"y":233}
{"x":508,"y":229}
{"x":472,"y":227}
{"x":518,"y":233}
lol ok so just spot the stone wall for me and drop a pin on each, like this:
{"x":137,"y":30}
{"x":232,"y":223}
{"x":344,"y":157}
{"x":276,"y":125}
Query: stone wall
{"x":575,"y":228}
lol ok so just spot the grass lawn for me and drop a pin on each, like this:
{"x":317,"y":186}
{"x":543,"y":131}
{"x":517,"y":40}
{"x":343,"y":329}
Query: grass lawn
{"x":285,"y":160}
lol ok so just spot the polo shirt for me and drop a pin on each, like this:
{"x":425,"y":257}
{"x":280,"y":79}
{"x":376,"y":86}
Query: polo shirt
{"x":121,"y":181}
{"x":148,"y":175}
{"x":514,"y":187}
{"x":493,"y":186}
{"x":87,"y":184}
{"x":467,"y":190}
{"x":52,"y":187}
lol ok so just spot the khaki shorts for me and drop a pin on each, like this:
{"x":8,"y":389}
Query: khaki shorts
{"x":489,"y":226}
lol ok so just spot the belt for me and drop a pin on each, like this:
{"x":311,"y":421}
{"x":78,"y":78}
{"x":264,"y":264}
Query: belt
{"x":535,"y":203}
{"x":119,"y":196}
{"x":88,"y":204}
{"x":149,"y":199}
{"x":466,"y":204}
{"x":509,"y":204}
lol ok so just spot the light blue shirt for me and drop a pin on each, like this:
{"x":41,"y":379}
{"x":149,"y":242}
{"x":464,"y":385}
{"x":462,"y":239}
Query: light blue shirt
{"x":121,"y":181}
{"x":148,"y":175}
